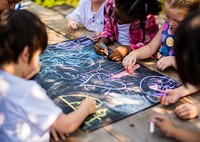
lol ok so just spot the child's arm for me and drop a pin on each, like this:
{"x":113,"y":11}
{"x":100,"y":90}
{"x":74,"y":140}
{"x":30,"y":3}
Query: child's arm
{"x":143,"y":52}
{"x":168,"y":129}
{"x":173,"y":95}
{"x":75,"y":16}
{"x":187,"y":111}
{"x":67,"y":123}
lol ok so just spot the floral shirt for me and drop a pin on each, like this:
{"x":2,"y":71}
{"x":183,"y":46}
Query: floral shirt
{"x":141,"y":32}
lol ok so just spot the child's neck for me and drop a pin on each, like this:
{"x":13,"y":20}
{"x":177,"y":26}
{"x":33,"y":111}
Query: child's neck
{"x":12,"y":69}
{"x":96,"y":5}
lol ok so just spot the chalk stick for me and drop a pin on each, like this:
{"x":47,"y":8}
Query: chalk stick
{"x":151,"y":127}
{"x":102,"y":45}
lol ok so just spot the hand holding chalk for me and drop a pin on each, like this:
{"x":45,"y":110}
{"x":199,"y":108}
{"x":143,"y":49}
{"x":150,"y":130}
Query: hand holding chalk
{"x":163,"y":123}
{"x":129,"y":61}
{"x":105,"y":49}
{"x":72,"y":25}
{"x":89,"y":104}
{"x":96,"y":36}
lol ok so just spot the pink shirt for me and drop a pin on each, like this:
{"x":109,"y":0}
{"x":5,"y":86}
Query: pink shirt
{"x":141,"y":32}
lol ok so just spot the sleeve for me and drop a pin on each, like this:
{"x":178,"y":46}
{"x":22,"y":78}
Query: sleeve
{"x":77,"y":12}
{"x":40,"y":109}
{"x":108,"y":29}
{"x":150,"y":29}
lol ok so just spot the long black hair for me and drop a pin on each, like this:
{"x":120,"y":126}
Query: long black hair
{"x":187,"y":49}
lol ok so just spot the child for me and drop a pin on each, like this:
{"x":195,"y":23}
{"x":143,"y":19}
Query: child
{"x":8,"y":4}
{"x":175,"y":11}
{"x":26,"y":112}
{"x":187,"y":54}
{"x":90,"y":14}
{"x":130,"y":23}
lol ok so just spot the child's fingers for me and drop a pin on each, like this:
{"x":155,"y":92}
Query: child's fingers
{"x":62,"y":136}
{"x":179,"y":108}
{"x":69,"y":27}
{"x":183,"y":115}
{"x":163,"y":100}
{"x":74,"y":26}
{"x":54,"y":134}
{"x":128,"y":64}
{"x":98,"y":49}
{"x":115,"y":56}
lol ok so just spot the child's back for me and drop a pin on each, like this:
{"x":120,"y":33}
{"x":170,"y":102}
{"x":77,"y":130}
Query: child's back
{"x":26,"y":112}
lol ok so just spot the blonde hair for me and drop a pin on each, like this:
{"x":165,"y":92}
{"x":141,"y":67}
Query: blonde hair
{"x":191,"y":5}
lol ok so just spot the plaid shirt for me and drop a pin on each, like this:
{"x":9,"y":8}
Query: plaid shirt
{"x":141,"y":32}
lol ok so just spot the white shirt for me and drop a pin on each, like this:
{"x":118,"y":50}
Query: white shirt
{"x":26,"y":112}
{"x":123,"y":34}
{"x":93,"y":21}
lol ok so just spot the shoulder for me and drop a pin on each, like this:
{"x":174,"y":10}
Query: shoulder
{"x":110,"y":3}
{"x":151,"y":17}
{"x":109,"y":7}
{"x":151,"y":20}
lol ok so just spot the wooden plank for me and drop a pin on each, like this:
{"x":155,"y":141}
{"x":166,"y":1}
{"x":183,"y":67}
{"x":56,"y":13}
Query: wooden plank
{"x":136,"y":127}
{"x":54,"y":37}
{"x":96,"y":136}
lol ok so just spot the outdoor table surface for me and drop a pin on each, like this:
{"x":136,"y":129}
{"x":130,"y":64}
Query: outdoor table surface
{"x":134,"y":128}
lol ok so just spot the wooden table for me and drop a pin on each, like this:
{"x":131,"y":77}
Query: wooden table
{"x":131,"y":129}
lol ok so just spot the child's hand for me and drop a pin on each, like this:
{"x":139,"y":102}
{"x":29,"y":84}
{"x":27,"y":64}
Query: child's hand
{"x":57,"y":135}
{"x":72,"y":25}
{"x":165,"y":62}
{"x":89,"y":104}
{"x":101,"y":48}
{"x":119,"y":53}
{"x":96,"y":36}
{"x":164,"y":124}
{"x":115,"y":55}
{"x":186,"y":111}
{"x":172,"y":96}
{"x":129,"y":61}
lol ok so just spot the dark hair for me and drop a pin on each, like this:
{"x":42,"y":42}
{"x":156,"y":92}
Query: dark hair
{"x":139,"y":9}
{"x":20,"y":29}
{"x":187,"y":49}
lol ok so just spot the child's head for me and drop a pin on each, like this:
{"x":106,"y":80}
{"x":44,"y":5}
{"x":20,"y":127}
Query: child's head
{"x":187,"y":49}
{"x":129,"y":10}
{"x":8,"y":4}
{"x":20,"y":30}
{"x":176,"y":10}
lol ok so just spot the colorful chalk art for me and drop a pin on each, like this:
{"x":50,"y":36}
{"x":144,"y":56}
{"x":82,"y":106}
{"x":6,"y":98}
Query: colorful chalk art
{"x":71,"y":71}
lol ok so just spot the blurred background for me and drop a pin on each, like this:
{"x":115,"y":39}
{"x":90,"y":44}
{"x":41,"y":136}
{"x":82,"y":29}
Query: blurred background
{"x":51,"y":3}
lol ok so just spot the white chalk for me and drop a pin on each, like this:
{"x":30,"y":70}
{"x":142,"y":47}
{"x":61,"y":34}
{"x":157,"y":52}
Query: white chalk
{"x":151,"y":127}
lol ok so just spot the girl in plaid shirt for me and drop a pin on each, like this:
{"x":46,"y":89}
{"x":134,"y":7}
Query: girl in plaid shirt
{"x":175,"y":11}
{"x":131,"y":22}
